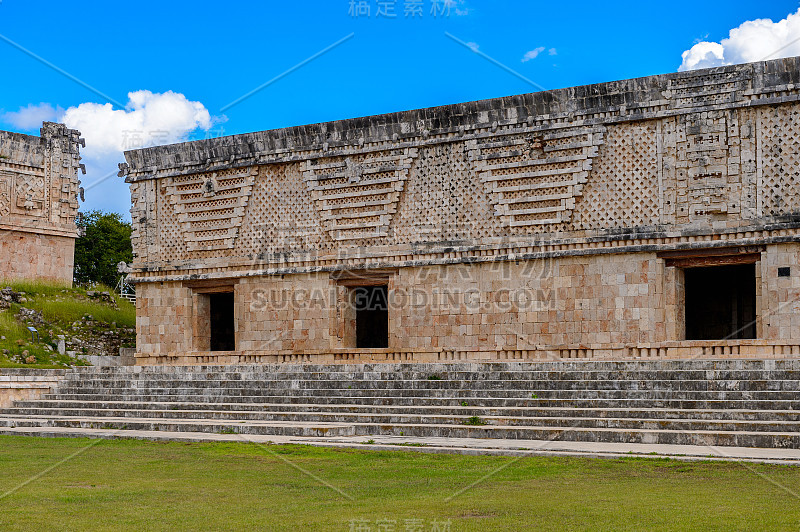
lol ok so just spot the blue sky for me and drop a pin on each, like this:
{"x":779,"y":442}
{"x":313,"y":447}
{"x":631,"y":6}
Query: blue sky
{"x":213,"y":53}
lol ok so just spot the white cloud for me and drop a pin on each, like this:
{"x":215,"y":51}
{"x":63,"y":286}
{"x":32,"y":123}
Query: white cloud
{"x":754,"y":40}
{"x":532,"y":54}
{"x":32,"y":116}
{"x":473,"y":46}
{"x":147,"y":120}
{"x":703,"y":55}
{"x":552,"y":51}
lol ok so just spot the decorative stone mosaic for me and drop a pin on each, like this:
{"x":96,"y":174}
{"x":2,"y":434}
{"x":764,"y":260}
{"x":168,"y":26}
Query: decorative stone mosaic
{"x":39,"y":192}
{"x":555,"y":223}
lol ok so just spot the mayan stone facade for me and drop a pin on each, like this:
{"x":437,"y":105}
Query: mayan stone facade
{"x":654,"y":217}
{"x":39,"y":191}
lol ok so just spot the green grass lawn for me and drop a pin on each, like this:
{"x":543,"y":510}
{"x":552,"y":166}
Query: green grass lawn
{"x":127,"y":484}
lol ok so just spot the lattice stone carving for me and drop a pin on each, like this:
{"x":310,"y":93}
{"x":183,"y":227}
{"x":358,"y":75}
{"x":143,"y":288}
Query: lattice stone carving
{"x":210,"y":206}
{"x":444,"y":200}
{"x":357,"y":196}
{"x":623,"y":189}
{"x":780,"y":159}
{"x":171,"y":244}
{"x":534,"y":180}
{"x":281,"y":217}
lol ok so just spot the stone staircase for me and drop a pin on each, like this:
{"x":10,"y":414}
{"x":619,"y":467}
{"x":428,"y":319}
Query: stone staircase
{"x":728,"y":403}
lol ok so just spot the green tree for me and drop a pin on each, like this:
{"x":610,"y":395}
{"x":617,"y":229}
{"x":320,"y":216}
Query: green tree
{"x":105,"y":241}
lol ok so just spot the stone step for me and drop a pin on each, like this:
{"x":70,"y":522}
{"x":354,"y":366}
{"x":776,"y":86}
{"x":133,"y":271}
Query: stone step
{"x":591,"y":434}
{"x":220,"y":427}
{"x":34,"y":372}
{"x":485,"y":384}
{"x":765,"y":395}
{"x":559,"y":365}
{"x":721,"y":373}
{"x":769,"y":392}
{"x":720,"y":403}
{"x":454,"y":392}
{"x":105,"y":379}
{"x":468,"y":446}
{"x":481,"y":400}
{"x":622,"y":422}
{"x":455,"y":410}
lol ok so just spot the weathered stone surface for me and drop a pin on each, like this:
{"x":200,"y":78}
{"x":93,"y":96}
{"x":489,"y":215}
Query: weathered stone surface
{"x":39,"y":190}
{"x":527,"y":227}
{"x":740,"y":403}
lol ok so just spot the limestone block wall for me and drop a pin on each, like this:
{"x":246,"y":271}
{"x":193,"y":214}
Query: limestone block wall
{"x":294,"y":313}
{"x":613,"y":299}
{"x":18,"y":386}
{"x":531,"y":223}
{"x":30,"y":255}
{"x":527,"y":305}
{"x":164,"y":318}
{"x":39,"y":191}
{"x":781,"y":312}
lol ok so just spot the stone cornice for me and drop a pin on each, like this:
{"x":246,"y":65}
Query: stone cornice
{"x":730,"y":87}
{"x":41,"y":229}
{"x":630,"y":241}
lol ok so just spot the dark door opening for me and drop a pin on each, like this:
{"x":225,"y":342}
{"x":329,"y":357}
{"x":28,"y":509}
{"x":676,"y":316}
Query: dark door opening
{"x":721,"y":302}
{"x":221,"y":323}
{"x":372,"y":316}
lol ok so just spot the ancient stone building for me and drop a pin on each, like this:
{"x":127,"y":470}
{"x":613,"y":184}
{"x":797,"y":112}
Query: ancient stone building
{"x":39,"y":190}
{"x":655,"y":217}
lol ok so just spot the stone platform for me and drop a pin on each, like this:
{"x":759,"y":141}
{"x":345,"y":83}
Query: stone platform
{"x":683,"y":350}
{"x":736,"y":409}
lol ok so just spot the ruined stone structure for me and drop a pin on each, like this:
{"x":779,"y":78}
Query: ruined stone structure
{"x":648,"y":218}
{"x":39,"y":190}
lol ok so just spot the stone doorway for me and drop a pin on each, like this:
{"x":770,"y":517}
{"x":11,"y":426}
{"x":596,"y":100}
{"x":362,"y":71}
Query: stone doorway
{"x":222,"y":329}
{"x":214,"y":312}
{"x":362,"y":313}
{"x":721,"y":302}
{"x":372,"y":316}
